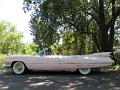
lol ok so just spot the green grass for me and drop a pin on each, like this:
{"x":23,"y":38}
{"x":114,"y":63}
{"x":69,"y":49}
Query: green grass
{"x":116,"y":67}
{"x":1,"y":60}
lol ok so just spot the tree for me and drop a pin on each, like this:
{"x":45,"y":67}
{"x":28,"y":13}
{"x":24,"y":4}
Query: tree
{"x":105,"y":26}
{"x":68,"y":17}
{"x":44,"y":34}
{"x":9,"y":38}
{"x":78,"y":15}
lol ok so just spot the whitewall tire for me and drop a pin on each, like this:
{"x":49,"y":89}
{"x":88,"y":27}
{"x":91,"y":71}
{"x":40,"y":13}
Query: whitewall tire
{"x":18,"y":68}
{"x":84,"y":71}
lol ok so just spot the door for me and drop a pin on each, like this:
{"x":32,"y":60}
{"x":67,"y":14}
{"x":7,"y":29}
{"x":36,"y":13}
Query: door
{"x":46,"y":63}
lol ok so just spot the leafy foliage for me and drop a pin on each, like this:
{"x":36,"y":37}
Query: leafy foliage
{"x":10,"y":41}
{"x":44,"y":35}
{"x":117,"y":58}
{"x":9,"y":38}
{"x":77,"y":16}
{"x":1,"y":60}
{"x":29,"y":49}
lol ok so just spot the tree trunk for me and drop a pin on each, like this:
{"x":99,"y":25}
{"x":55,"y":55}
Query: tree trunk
{"x":76,"y":42}
{"x":102,"y":28}
{"x":112,"y":31}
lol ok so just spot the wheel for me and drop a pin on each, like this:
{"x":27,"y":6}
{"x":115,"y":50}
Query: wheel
{"x":84,"y":71}
{"x":18,"y":68}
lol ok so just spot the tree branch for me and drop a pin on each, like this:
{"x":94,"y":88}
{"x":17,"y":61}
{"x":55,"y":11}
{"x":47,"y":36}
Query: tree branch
{"x":113,"y":19}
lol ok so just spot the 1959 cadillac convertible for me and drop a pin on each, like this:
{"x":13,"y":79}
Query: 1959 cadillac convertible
{"x":82,"y":63}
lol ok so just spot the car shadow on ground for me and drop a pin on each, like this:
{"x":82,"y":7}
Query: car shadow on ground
{"x":60,"y":81}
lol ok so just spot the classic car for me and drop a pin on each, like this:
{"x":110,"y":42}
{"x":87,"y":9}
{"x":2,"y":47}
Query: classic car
{"x":40,"y":61}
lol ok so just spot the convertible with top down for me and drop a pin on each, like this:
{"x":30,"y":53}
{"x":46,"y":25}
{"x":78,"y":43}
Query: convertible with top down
{"x":82,"y":63}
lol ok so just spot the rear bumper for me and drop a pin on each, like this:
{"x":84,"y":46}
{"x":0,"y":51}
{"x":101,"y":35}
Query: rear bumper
{"x":7,"y":65}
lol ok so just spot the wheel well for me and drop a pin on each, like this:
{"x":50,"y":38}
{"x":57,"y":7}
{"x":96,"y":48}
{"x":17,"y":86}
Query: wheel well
{"x":13,"y":63}
{"x":18,"y":61}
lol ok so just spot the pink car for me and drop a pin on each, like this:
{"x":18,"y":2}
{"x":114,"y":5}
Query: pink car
{"x":82,"y":63}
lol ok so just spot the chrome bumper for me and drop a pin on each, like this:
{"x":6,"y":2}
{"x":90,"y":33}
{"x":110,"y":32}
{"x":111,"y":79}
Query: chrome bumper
{"x":7,"y":65}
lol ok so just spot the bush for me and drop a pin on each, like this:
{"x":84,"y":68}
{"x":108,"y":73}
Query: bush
{"x":117,"y":57}
{"x":1,"y":60}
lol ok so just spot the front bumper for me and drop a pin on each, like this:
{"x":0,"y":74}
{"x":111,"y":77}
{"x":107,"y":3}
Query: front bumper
{"x":7,"y":65}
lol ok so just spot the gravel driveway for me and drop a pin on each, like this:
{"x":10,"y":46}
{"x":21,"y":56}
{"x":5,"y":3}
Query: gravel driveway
{"x":60,"y":81}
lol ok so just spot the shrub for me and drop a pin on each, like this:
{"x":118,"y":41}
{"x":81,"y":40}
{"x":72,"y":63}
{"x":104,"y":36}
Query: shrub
{"x":117,"y":57}
{"x":1,"y":60}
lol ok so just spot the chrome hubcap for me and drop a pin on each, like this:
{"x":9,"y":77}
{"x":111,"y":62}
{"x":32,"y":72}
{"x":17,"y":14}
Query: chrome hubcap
{"x":18,"y":68}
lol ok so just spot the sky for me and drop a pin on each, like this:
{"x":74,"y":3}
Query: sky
{"x":11,"y":11}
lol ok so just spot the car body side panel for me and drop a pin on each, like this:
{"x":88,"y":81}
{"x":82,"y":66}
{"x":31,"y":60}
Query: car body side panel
{"x":85,"y":61}
{"x":37,"y":62}
{"x":44,"y":63}
{"x":69,"y":63}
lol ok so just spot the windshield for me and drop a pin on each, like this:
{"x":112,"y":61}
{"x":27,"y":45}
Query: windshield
{"x":43,"y":52}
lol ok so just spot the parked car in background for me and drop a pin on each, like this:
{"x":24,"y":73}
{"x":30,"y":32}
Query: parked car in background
{"x":82,"y":63}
